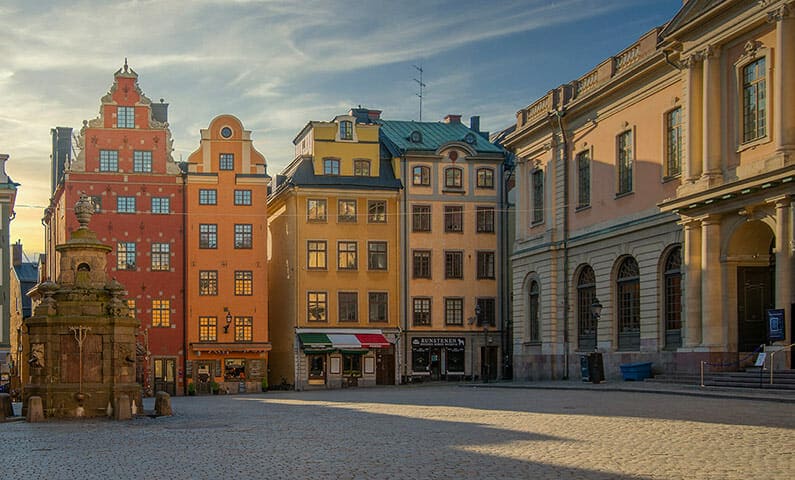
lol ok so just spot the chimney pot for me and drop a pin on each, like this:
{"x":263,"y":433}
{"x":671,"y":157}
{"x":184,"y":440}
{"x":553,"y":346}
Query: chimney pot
{"x":451,"y":118}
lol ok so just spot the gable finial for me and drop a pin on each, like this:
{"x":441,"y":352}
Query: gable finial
{"x":125,"y":64}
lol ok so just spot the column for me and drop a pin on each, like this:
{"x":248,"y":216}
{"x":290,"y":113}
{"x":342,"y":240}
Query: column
{"x":711,"y":284}
{"x":784,"y":257}
{"x":784,"y":76}
{"x":693,"y":82}
{"x":711,"y":147}
{"x":692,"y":284}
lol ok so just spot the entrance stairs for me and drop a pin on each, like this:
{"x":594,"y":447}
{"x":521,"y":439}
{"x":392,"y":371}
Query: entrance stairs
{"x":750,"y":378}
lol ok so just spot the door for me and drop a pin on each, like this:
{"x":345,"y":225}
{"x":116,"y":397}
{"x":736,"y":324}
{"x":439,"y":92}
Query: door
{"x":165,"y":375}
{"x":754,"y":297}
{"x":489,"y":369}
{"x":385,"y":366}
{"x":436,"y":363}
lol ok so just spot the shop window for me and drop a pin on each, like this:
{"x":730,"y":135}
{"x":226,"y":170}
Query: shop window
{"x":317,"y":369}
{"x":234,"y":369}
{"x":455,"y":360}
{"x":351,"y":365}
{"x":420,"y":359}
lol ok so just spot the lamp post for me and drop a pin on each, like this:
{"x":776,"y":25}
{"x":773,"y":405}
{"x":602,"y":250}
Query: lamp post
{"x":596,"y":312}
{"x":476,"y":320}
{"x":596,"y":367}
{"x":228,"y":321}
{"x":486,"y":365}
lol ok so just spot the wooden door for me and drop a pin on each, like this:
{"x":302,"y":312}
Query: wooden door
{"x":385,"y":366}
{"x":165,"y":375}
{"x":754,"y":297}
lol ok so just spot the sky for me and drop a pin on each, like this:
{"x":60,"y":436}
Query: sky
{"x":277,"y":65}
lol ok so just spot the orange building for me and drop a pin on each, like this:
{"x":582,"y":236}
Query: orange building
{"x":226,"y":271}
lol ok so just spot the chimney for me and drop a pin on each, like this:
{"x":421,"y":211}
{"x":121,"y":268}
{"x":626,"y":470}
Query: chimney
{"x":160,"y":111}
{"x":374,"y":115}
{"x":474,"y":123}
{"x":3,"y":175}
{"x":16,"y":254}
{"x":61,"y":154}
{"x":450,"y":118}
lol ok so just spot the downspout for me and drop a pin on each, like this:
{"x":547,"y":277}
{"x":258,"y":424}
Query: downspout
{"x":565,"y":244}
{"x":507,"y":315}
{"x":184,"y":285}
{"x":404,"y":272}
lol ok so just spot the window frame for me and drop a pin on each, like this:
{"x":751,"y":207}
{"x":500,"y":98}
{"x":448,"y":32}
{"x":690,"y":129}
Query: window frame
{"x":346,"y":130}
{"x":583,"y":165}
{"x":244,"y":236}
{"x":348,"y":307}
{"x":488,"y":311}
{"x":317,"y":253}
{"x":421,"y":263}
{"x":586,"y":323}
{"x":454,"y":181}
{"x":208,"y":236}
{"x":485,"y":178}
{"x":537,"y":189}
{"x":347,"y":250}
{"x":628,"y":304}
{"x":244,"y":329}
{"x":454,"y":264}
{"x":625,"y":162}
{"x":320,"y":206}
{"x":331,"y":167}
{"x":108,"y":160}
{"x":129,"y":253}
{"x":226,"y":161}
{"x":242,"y":197}
{"x":125,"y":117}
{"x":347,"y":216}
{"x":208,"y":283}
{"x":484,"y":219}
{"x":424,"y":172}
{"x":378,"y":307}
{"x":420,"y":218}
{"x":486,"y":265}
{"x":160,"y":257}
{"x":142,"y":161}
{"x":375,"y":253}
{"x":358,"y":170}
{"x":318,"y":298}
{"x":421,"y":309}
{"x":244,"y":283}
{"x":744,"y":87}
{"x":534,"y":303}
{"x":161,"y":205}
{"x":454,"y":311}
{"x":208,"y":196}
{"x":454,"y":219}
{"x":208,"y":328}
{"x":376,"y":211}
{"x":161,"y":313}
{"x":125,"y":204}
{"x":674,"y":137}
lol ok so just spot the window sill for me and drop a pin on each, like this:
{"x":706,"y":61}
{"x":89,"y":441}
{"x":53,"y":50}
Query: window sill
{"x":536,"y":223}
{"x":457,"y":191}
{"x":582,"y":208}
{"x":625,"y":194}
{"x":750,"y":144}
{"x":671,"y":178}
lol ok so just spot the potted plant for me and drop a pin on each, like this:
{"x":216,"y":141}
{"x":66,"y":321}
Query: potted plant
{"x":214,"y":387}
{"x":191,"y":389}
{"x":264,"y":384}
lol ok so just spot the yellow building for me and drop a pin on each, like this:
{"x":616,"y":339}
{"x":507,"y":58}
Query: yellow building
{"x":453,"y":248}
{"x":334,"y":265}
{"x":226,"y":273}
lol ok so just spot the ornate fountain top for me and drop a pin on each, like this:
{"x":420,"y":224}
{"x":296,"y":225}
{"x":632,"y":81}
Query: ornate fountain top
{"x":84,"y":209}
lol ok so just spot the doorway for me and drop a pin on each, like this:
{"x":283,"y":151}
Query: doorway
{"x":385,"y":366}
{"x":754,"y":297}
{"x":489,"y":368}
{"x":165,"y":375}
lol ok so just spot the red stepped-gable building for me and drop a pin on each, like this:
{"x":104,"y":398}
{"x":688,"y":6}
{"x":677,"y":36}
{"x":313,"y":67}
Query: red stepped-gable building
{"x":124,"y":163}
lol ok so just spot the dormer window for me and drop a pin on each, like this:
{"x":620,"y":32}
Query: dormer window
{"x":125,"y":117}
{"x":346,"y":130}
{"x":415,"y":136}
{"x":331,"y":166}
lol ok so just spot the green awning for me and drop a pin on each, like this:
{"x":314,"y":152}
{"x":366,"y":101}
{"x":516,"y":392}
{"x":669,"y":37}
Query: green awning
{"x":315,"y":341}
{"x":318,"y":351}
{"x":353,"y":352}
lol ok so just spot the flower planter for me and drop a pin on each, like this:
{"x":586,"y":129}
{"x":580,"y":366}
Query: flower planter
{"x":636,"y":371}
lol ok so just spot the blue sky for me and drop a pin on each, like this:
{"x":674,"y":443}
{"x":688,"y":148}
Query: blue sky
{"x":278,"y":64}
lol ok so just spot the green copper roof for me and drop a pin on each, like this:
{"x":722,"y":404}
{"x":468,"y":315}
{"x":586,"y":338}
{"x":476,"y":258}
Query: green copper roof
{"x":433,"y":135}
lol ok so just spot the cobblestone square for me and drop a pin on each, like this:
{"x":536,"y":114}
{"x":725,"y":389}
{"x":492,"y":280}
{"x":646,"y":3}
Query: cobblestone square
{"x":437,"y":432}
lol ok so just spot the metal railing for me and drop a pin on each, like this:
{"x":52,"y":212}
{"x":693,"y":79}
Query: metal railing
{"x":729,"y":364}
{"x":788,"y":347}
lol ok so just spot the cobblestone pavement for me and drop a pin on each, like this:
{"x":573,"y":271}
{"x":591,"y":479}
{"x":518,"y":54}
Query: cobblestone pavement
{"x":428,"y":432}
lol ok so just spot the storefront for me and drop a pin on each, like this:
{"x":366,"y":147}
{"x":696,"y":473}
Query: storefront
{"x":228,"y":368}
{"x":340,"y":359}
{"x":438,"y":358}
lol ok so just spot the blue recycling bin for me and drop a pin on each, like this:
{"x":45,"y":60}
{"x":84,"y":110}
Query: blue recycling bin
{"x":636,"y":371}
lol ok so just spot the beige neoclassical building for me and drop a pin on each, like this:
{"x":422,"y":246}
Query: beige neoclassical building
{"x":659,"y":186}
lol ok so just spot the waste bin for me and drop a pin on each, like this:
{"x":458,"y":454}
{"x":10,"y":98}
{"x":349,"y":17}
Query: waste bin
{"x":585,"y":368}
{"x":596,"y":368}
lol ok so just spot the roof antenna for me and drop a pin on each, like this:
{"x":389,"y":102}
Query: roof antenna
{"x":421,"y":86}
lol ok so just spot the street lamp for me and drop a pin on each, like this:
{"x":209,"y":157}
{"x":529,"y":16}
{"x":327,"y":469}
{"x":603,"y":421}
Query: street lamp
{"x":596,"y":311}
{"x":596,"y":368}
{"x":228,"y":321}
{"x":476,"y":320}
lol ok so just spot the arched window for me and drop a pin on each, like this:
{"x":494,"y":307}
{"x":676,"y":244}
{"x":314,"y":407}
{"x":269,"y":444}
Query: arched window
{"x":628,"y":302}
{"x":453,"y":177}
{"x":534,"y":331}
{"x":586,"y":292}
{"x":672,"y":304}
{"x":346,"y":130}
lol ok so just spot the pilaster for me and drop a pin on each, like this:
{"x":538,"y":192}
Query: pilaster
{"x":694,"y":81}
{"x":712,"y":287}
{"x":692,"y":284}
{"x":784,"y":255}
{"x":784,"y":76}
{"x":711,"y":105}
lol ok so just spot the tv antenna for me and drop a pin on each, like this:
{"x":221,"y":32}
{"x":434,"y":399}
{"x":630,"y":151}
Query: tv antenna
{"x":421,"y":87}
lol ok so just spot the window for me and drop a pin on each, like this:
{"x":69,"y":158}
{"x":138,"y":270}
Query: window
{"x":346,"y":211}
{"x":97,"y":201}
{"x":628,"y":288}
{"x":422,"y":264}
{"x":346,"y":130}
{"x":244,"y":329}
{"x":316,"y":254}
{"x":161,"y":313}
{"x":331,"y":166}
{"x":533,"y":333}
{"x":422,"y":311}
{"x":234,"y":368}
{"x":453,"y":264}
{"x":226,"y":161}
{"x":208,"y":196}
{"x":538,"y":196}
{"x":347,"y":255}
{"x":672,"y":278}
{"x":422,"y":176}
{"x":352,"y":364}
{"x":583,"y":160}
{"x":161,"y":257}
{"x":244,"y":282}
{"x":485,"y":268}
{"x":208,"y":235}
{"x":125,"y":117}
{"x":208,"y":329}
{"x":754,"y":101}
{"x":454,"y":311}
{"x":125,"y":256}
{"x":142,"y":161}
{"x":379,"y":307}
{"x":348,"y":306}
{"x":376,"y":255}
{"x":108,"y":161}
{"x":453,"y":177}
{"x":243,"y":235}
{"x":376,"y":211}
{"x":485,"y":219}
{"x":316,"y":210}
{"x":586,"y":323}
{"x":317,"y":305}
{"x":208,"y":282}
{"x":161,"y":205}
{"x":453,"y":218}
{"x":487,"y":312}
{"x":421,"y":218}
{"x":673,"y":150}
{"x":624,"y":142}
{"x":131,"y":307}
{"x":485,"y":178}
{"x":361,"y":168}
{"x":125,"y":204}
{"x":242,"y":197}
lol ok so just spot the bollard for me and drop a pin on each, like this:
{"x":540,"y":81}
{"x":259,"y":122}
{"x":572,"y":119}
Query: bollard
{"x":123,"y":408}
{"x":163,"y":404}
{"x":35,"y":411}
{"x":6,"y":409}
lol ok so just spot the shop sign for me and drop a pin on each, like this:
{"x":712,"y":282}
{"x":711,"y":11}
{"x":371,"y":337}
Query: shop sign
{"x":775,"y":325}
{"x":437,"y":342}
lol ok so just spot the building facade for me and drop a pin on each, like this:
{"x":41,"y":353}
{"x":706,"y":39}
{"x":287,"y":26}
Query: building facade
{"x":335,"y":262}
{"x":626,"y":178}
{"x":8,"y":192}
{"x":452,"y":248}
{"x":24,"y":276}
{"x":226,"y":270}
{"x":124,"y":163}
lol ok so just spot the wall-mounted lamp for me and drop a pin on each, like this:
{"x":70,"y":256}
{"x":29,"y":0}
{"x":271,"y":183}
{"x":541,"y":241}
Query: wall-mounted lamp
{"x":596,"y":308}
{"x":228,"y":320}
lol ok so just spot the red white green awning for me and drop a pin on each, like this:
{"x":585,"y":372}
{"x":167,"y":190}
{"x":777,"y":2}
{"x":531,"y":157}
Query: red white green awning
{"x":327,"y":341}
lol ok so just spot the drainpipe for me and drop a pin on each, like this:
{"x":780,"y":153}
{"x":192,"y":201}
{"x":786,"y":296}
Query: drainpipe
{"x":184,"y":285}
{"x":505,"y":275}
{"x":403,"y":362}
{"x":558,"y":114}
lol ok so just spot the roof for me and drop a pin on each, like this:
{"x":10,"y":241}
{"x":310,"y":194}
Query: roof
{"x":303,"y":175}
{"x":433,"y":135}
{"x":27,"y":272}
{"x":690,"y":11}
